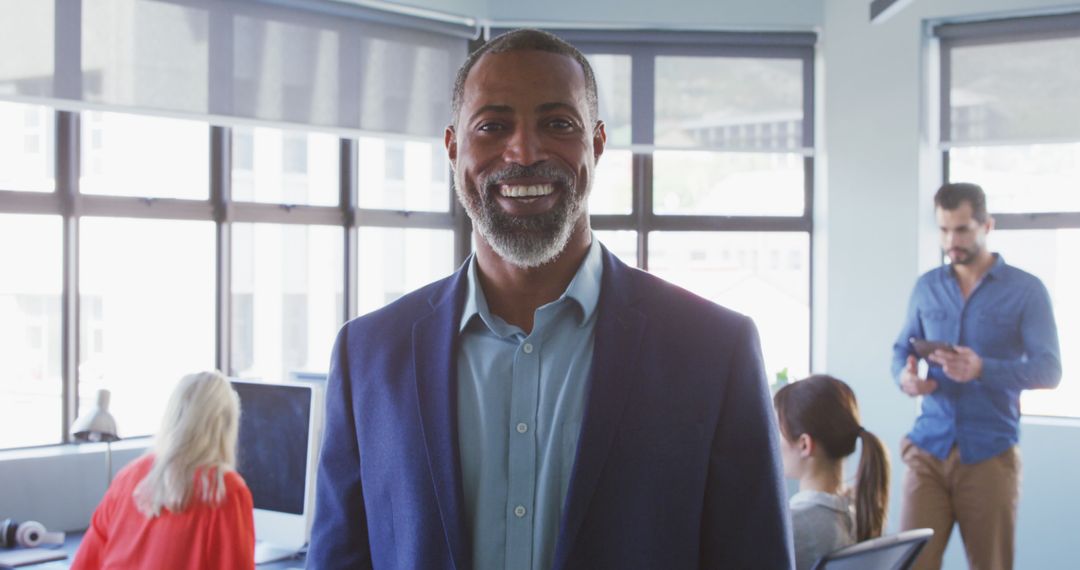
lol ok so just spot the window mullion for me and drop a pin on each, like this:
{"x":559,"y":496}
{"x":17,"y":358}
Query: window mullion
{"x":348,"y":203}
{"x":67,"y":188}
{"x":220,"y":197}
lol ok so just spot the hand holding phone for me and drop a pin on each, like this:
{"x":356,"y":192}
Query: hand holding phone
{"x":924,"y":348}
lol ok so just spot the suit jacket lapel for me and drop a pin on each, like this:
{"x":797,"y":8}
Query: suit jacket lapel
{"x":435,"y":360}
{"x":619,"y":329}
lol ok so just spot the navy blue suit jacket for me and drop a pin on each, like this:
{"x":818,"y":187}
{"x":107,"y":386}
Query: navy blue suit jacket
{"x":677,"y":464}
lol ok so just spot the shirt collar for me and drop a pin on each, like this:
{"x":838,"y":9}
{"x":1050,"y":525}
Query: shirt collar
{"x":997,"y":267}
{"x":584,"y":289}
{"x":839,"y":503}
{"x":994,"y":272}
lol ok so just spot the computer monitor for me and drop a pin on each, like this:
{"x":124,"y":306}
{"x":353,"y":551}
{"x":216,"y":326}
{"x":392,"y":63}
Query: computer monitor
{"x":280,"y":435}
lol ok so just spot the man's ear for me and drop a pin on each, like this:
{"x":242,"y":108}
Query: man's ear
{"x":450,"y":140}
{"x":989,"y":223}
{"x":599,"y":140}
{"x":805,"y":444}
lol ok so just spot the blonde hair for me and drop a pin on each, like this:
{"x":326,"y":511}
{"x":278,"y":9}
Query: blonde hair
{"x":195,"y":446}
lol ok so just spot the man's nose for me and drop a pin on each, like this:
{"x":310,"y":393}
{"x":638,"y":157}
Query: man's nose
{"x":525,"y":147}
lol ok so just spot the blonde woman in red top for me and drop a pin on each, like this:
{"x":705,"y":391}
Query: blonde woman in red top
{"x":181,"y":506}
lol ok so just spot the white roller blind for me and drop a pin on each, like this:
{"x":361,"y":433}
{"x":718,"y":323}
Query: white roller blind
{"x":26,"y":42}
{"x":1014,"y":81}
{"x":244,"y":59}
{"x":1016,"y":91}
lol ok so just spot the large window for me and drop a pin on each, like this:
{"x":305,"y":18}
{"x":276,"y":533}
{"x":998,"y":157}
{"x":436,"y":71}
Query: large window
{"x":1010,"y":110}
{"x":173,"y":264}
{"x":707,"y":176}
{"x":197,"y":185}
{"x":214,"y":235}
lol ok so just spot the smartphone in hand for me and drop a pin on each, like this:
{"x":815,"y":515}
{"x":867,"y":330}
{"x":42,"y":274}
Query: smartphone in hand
{"x":926,"y":347}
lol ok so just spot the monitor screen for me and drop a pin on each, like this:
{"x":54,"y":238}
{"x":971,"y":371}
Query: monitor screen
{"x":272,"y":454}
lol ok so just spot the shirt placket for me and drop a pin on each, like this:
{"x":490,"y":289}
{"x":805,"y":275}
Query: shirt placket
{"x":963,"y":328}
{"x":521,"y":488}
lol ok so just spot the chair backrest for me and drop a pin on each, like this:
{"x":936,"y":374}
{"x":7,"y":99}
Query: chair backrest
{"x":894,"y":552}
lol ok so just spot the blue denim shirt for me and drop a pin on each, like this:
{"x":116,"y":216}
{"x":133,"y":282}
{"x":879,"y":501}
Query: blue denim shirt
{"x":1007,"y":320}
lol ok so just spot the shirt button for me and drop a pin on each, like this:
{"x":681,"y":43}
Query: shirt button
{"x":519,"y":511}
{"x":527,"y":348}
{"x":522,"y":428}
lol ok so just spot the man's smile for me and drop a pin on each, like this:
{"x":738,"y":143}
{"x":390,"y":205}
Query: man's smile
{"x":526,"y":191}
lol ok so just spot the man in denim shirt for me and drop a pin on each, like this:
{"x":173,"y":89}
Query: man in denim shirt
{"x":962,"y":457}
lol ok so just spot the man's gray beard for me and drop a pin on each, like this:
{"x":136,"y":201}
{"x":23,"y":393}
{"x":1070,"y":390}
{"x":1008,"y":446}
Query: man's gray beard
{"x":525,"y":242}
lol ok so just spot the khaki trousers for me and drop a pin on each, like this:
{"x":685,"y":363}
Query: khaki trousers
{"x":982,"y":498}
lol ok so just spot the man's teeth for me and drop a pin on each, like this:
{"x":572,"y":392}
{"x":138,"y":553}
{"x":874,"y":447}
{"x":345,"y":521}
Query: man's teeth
{"x":526,"y":191}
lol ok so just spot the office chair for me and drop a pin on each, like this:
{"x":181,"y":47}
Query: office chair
{"x":894,"y":552}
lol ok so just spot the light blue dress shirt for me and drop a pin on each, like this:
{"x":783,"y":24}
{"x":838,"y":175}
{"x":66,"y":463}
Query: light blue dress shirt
{"x":520,"y":403}
{"x":1008,"y":321}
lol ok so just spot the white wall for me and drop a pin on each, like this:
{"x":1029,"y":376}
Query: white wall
{"x":880,"y":236}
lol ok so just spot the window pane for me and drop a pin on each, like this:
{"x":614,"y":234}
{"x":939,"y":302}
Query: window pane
{"x":403,"y":175}
{"x":743,"y":103}
{"x":1022,"y":179}
{"x":623,"y":243}
{"x":728,"y":184}
{"x":285,"y":167}
{"x":28,"y":147}
{"x":612,"y":190}
{"x":146,"y":313}
{"x":286,"y":299}
{"x":30,"y":283}
{"x":395,"y":261}
{"x":765,"y":275}
{"x":1016,"y":90}
{"x":133,"y":155}
{"x":613,"y":93}
{"x":1050,"y":255}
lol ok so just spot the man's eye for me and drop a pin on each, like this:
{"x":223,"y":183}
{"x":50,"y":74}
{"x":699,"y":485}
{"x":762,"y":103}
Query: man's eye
{"x":490,"y":127}
{"x":561,"y":124}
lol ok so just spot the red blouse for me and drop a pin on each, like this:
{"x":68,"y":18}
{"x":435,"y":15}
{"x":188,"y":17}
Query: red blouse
{"x":203,"y":536}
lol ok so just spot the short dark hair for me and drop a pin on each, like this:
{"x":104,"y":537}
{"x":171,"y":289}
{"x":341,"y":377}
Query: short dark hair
{"x":950,"y":196}
{"x":525,"y":39}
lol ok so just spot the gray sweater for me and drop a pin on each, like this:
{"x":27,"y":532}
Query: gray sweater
{"x":822,"y":523}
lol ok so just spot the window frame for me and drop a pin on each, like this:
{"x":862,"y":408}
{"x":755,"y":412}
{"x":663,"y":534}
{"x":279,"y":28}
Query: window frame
{"x":643,"y":47}
{"x":994,"y":32}
{"x":71,"y":205}
{"x":950,"y":36}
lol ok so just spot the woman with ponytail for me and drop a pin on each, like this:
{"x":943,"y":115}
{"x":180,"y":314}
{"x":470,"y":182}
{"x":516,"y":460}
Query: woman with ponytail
{"x":819,"y":425}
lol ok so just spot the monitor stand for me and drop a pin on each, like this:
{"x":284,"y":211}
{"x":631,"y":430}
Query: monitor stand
{"x":270,"y":552}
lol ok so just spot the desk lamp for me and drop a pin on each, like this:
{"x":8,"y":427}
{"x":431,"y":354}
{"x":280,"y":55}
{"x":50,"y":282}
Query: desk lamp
{"x":97,"y":425}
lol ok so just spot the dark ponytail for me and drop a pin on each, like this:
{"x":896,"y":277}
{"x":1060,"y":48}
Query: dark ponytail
{"x":871,"y":488}
{"x":825,"y":409}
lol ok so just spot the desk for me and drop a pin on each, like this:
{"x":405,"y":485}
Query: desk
{"x":71,"y":545}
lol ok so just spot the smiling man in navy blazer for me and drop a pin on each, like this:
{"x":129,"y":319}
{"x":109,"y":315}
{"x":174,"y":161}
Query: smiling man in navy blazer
{"x":546,"y":406}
